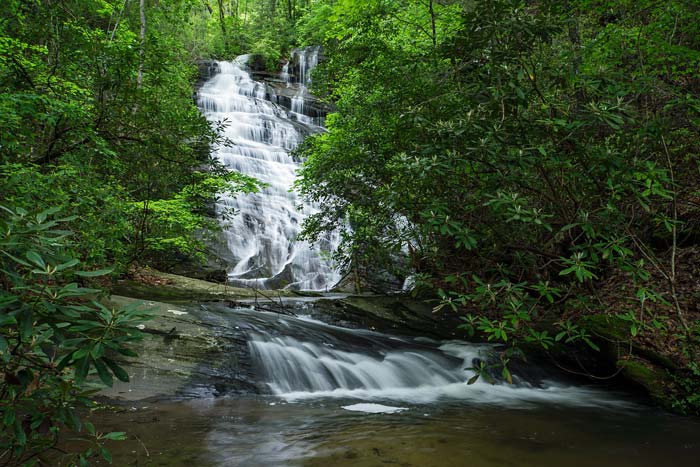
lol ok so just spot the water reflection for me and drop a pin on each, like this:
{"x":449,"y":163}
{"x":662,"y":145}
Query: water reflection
{"x":270,"y":432}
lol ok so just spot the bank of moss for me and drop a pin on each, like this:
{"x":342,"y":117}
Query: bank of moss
{"x":663,"y":375}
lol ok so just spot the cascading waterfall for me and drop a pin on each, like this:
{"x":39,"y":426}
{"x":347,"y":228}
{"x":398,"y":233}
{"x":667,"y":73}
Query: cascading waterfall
{"x":262,"y":235}
{"x":300,"y":359}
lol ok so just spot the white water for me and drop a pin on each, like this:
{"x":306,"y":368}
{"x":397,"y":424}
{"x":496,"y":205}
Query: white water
{"x":261,"y":235}
{"x":373,"y":408}
{"x":327,"y":362}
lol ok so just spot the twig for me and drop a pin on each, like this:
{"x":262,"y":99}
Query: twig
{"x":674,"y":234}
{"x":143,"y":445}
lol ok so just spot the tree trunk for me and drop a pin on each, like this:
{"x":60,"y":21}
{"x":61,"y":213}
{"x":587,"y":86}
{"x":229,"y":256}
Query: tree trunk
{"x":222,"y":20}
{"x":142,"y":36}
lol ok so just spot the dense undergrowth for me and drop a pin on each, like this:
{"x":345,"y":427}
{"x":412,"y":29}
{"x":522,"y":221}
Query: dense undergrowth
{"x":537,"y":162}
{"x":97,"y":123}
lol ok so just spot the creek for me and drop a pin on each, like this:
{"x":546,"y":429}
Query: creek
{"x":329,"y":396}
{"x":235,"y":386}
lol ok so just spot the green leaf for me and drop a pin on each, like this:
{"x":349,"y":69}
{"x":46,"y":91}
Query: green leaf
{"x":20,"y":435}
{"x":97,"y":350}
{"x":36,"y":258}
{"x":81,"y":369}
{"x":103,"y":373}
{"x":473,"y":379}
{"x":591,"y":344}
{"x":127,"y":352}
{"x":17,"y":260}
{"x":72,"y":419}
{"x":67,"y":265}
{"x":9,"y":417}
{"x":507,"y":376}
{"x":26,"y":324}
{"x":115,"y":435}
{"x":105,"y":454}
{"x":568,"y":270}
{"x":41,"y":217}
{"x":82,"y":352}
{"x":98,"y":272}
{"x":118,"y":371}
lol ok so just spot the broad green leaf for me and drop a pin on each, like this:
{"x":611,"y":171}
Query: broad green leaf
{"x":103,"y":372}
{"x":81,"y":369}
{"x":67,"y":265}
{"x":98,"y":272}
{"x":36,"y":258}
{"x":118,"y":371}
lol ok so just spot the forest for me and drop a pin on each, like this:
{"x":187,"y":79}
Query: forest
{"x":531,"y":166}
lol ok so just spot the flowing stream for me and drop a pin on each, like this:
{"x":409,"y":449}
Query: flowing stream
{"x":339,"y":397}
{"x":301,"y":358}
{"x":263,"y":125}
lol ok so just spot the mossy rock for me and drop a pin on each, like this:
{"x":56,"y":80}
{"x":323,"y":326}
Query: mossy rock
{"x":644,"y":367}
{"x":615,"y":333}
{"x":607,"y":326}
{"x":654,"y":379}
{"x":171,"y":288}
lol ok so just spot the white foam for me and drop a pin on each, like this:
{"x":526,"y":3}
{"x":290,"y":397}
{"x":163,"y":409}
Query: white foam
{"x":374,"y":408}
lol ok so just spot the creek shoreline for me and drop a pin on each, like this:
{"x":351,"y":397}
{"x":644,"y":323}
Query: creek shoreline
{"x":183,"y":353}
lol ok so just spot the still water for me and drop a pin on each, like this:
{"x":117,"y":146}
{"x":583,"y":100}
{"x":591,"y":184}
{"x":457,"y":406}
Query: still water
{"x":267,"y":431}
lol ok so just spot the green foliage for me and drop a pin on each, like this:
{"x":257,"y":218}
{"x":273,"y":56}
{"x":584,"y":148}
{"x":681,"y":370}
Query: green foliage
{"x":545,"y":149}
{"x":175,"y":228}
{"x":99,"y":121}
{"x":312,"y":28}
{"x":687,"y":398}
{"x":101,"y":217}
{"x":55,"y":337}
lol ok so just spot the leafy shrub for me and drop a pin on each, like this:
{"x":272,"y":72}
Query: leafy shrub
{"x":55,"y":334}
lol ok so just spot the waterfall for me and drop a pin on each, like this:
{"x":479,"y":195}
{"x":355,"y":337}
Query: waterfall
{"x":262,"y":234}
{"x":299,"y":79}
{"x":299,"y":358}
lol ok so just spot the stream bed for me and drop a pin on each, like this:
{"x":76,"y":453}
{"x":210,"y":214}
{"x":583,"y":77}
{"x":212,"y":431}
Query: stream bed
{"x":328,"y":396}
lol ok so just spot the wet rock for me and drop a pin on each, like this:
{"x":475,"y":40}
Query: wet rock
{"x":394,"y":314}
{"x":641,"y":367}
{"x":206,"y":70}
{"x":652,"y":378}
{"x":187,"y":351}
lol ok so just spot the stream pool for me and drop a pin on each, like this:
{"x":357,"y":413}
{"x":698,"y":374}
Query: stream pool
{"x":267,"y":431}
